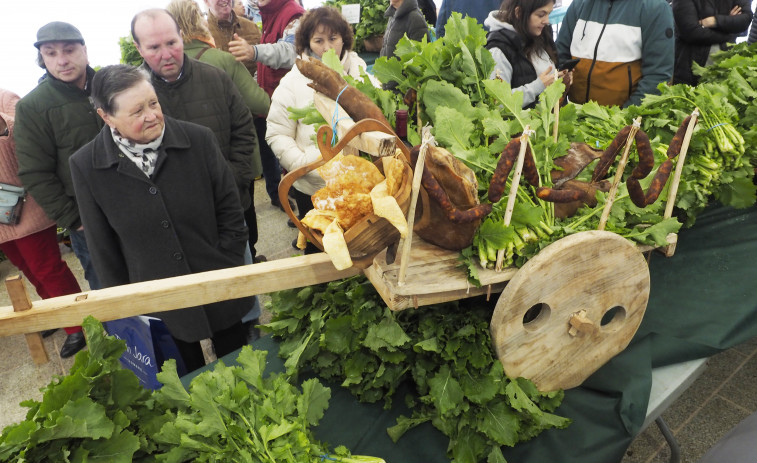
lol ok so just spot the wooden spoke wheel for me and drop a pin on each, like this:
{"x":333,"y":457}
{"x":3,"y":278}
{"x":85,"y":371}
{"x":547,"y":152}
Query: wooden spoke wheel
{"x":570,"y":309}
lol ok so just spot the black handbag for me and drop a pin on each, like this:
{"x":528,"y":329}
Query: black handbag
{"x":12,"y":199}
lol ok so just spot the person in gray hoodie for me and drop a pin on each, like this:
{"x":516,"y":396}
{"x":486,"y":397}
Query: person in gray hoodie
{"x":404,"y":17}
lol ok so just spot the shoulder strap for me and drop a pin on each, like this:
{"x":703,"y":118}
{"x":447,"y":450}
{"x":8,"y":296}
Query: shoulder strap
{"x":200,"y":53}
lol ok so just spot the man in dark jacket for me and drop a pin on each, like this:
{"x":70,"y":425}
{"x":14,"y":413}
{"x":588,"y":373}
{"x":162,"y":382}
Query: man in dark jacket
{"x":52,"y":122}
{"x":193,"y":91}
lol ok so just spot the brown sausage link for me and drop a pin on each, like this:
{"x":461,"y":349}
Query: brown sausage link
{"x":635,"y":192}
{"x":646,"y":156}
{"x":529,"y":168}
{"x":504,"y":166}
{"x":559,"y":196}
{"x":677,"y":142}
{"x":659,"y":181}
{"x":477,"y":212}
{"x":436,"y":192}
{"x":410,"y":96}
{"x":609,"y":155}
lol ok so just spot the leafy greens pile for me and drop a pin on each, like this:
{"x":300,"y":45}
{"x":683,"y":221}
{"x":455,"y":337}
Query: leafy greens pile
{"x":344,"y":332}
{"x":100,"y":411}
{"x":474,"y":117}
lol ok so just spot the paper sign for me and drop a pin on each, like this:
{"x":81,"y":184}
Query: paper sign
{"x":351,"y":13}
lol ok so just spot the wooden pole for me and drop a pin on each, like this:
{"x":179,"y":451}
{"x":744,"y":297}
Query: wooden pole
{"x":21,"y":303}
{"x":619,"y":174}
{"x":417,"y":177}
{"x":514,"y":183}
{"x":679,"y":165}
{"x":557,"y":114}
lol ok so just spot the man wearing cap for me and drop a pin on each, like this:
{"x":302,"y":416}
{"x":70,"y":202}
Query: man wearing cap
{"x":52,"y":122}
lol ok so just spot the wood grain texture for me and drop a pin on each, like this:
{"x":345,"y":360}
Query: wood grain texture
{"x":172,"y":293}
{"x":595,"y":271}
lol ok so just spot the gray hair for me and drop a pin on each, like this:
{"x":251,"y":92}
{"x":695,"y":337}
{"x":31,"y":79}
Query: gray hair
{"x":112,"y":80}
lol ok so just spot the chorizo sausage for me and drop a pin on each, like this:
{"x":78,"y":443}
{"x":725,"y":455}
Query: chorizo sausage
{"x":477,"y":212}
{"x":677,"y":142}
{"x":502,"y":171}
{"x":529,"y":168}
{"x":609,"y":155}
{"x":646,"y":156}
{"x":559,"y":196}
{"x":637,"y":195}
{"x":659,"y":181}
{"x":437,"y":193}
{"x":635,"y":192}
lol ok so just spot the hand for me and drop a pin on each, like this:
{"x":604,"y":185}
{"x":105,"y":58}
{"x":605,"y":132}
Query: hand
{"x":567,"y":78}
{"x":709,"y":22}
{"x":547,"y":77}
{"x":735,"y":10}
{"x":241,"y":50}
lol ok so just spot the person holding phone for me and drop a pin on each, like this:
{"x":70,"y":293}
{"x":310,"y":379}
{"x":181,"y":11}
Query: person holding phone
{"x":520,"y":40}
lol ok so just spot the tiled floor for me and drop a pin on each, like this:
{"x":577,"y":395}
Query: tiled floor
{"x":720,"y":398}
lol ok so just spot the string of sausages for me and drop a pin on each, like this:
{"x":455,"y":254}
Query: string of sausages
{"x":437,"y":193}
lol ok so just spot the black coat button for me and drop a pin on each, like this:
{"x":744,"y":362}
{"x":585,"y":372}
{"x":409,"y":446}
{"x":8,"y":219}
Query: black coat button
{"x":153,"y":190}
{"x":177,"y":256}
{"x":164,"y":224}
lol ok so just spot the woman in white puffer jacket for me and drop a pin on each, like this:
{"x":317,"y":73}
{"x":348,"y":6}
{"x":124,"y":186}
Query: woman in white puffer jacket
{"x":293,"y":143}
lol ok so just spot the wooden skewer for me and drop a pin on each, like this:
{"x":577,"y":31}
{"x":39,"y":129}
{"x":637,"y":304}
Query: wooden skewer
{"x":557,"y":114}
{"x":514,"y":190}
{"x":679,"y":165}
{"x":417,"y":177}
{"x":619,"y":174}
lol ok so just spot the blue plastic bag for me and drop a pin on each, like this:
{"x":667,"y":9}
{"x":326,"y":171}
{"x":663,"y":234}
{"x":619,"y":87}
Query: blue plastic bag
{"x":148,"y":345}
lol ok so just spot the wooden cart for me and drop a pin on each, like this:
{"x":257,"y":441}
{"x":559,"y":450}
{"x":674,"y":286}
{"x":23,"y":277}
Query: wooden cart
{"x":558,"y":319}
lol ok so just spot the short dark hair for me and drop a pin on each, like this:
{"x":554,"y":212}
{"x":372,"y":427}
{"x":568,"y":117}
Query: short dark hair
{"x":112,"y":80}
{"x":328,"y":17}
{"x":151,"y":13}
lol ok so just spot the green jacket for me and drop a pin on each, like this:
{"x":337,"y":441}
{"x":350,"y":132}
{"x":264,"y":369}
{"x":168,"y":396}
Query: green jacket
{"x":205,"y":95}
{"x":52,"y":122}
{"x":255,"y":97}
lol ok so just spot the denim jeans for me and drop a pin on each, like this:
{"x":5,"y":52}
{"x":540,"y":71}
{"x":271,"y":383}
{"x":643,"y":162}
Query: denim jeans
{"x":79,"y":245}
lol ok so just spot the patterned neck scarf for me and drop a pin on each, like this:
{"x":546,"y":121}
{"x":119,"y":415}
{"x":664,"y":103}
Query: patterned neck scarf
{"x":143,"y":155}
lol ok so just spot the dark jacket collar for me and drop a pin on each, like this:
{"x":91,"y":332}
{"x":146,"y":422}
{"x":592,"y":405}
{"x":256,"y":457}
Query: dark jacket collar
{"x":186,"y":72}
{"x":106,"y":153}
{"x":69,"y":87}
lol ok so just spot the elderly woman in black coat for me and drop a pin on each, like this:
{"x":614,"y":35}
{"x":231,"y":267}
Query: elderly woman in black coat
{"x":704,"y":27}
{"x":157,"y":200}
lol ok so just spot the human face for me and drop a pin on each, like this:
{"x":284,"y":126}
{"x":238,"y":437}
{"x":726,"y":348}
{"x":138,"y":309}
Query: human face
{"x":539,"y":19}
{"x":396,"y":3}
{"x":221,"y":9}
{"x":160,"y":45}
{"x":66,"y":61}
{"x":324,"y":40}
{"x":137,"y":115}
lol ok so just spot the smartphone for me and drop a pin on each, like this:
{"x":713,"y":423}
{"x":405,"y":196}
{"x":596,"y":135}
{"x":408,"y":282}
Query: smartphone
{"x":568,"y":65}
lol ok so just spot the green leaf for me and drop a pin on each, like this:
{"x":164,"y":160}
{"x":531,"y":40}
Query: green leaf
{"x":314,"y":401}
{"x":446,"y":391}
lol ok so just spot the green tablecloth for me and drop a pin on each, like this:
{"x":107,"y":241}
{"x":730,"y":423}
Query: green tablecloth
{"x":703,"y":300}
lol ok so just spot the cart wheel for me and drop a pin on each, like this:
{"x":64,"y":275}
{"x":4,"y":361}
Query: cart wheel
{"x":570,"y":309}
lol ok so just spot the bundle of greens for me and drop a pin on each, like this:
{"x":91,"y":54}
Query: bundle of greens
{"x":344,"y":332}
{"x":97,"y":411}
{"x":101,"y":412}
